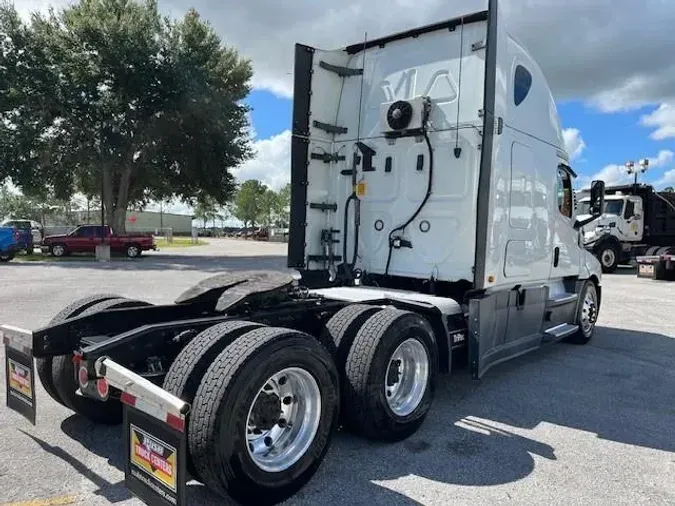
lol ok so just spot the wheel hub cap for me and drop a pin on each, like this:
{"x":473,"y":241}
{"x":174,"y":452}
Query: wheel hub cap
{"x":589,"y":311}
{"x":608,"y":258}
{"x":283,"y":419}
{"x":406,"y":378}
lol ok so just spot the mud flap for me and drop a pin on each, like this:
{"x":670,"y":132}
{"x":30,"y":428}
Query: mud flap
{"x":19,"y":372}
{"x":154,"y":468}
{"x":504,"y":325}
{"x":20,"y":380}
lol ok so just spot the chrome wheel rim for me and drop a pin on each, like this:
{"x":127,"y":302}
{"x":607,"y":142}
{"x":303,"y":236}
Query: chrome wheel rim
{"x":589,"y":311}
{"x":57,"y":251}
{"x":283,"y":419}
{"x":132,"y":251}
{"x":406,"y":378}
{"x":608,"y":257}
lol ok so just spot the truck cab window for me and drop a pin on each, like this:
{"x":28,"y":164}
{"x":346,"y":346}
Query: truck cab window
{"x":564,"y":190}
{"x":521,"y":84}
{"x":630,"y":210}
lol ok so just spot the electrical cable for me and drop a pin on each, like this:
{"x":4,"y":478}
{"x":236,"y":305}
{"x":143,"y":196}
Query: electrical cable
{"x":422,"y":204}
{"x":354,"y":196}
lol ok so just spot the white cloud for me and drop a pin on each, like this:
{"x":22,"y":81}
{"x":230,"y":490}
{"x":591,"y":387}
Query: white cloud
{"x":663,"y":120}
{"x":668,"y":179}
{"x":664,"y":157}
{"x":608,"y":52}
{"x":271,"y":163}
{"x":574,"y":142}
{"x":615,"y":174}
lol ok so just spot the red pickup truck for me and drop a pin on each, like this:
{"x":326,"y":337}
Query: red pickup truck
{"x":85,"y":238}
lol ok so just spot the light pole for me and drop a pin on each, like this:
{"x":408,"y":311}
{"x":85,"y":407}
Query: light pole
{"x":631,"y":169}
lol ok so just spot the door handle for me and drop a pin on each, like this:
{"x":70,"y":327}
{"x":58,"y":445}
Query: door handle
{"x":556,"y":256}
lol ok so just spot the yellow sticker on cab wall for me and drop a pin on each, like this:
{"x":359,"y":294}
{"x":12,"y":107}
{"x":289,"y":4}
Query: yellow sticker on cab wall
{"x":360,"y":188}
{"x":153,"y":456}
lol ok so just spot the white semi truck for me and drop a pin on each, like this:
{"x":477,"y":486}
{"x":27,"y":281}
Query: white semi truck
{"x":432,"y":221}
{"x":636,"y":221}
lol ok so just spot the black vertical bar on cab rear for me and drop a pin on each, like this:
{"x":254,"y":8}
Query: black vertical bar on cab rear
{"x":302,"y":87}
{"x":485,"y":176}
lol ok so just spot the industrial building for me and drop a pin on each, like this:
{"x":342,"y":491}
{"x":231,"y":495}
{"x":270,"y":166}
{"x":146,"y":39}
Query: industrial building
{"x":145,"y":221}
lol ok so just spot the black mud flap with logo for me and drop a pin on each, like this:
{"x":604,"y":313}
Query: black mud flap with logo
{"x":20,"y":381}
{"x":154,"y":469}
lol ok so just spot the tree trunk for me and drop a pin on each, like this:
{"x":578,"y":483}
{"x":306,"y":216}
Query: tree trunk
{"x":120,"y":215}
{"x":119,"y":221}
{"x":107,"y":202}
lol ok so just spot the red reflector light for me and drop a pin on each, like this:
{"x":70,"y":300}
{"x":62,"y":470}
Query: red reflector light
{"x":175,"y":422}
{"x":128,"y":399}
{"x":83,"y":376}
{"x":102,"y":387}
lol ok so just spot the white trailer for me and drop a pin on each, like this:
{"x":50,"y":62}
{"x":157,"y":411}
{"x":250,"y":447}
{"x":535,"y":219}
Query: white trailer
{"x":432,"y":222}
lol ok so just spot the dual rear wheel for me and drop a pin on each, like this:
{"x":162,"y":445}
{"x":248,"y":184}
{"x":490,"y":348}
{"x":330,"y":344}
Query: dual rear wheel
{"x":266,"y":401}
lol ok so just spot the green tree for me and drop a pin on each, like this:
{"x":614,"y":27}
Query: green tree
{"x":249,"y":205}
{"x":669,"y":189}
{"x":108,"y":97}
{"x":269,"y":204}
{"x":208,"y":210}
{"x":282,"y":206}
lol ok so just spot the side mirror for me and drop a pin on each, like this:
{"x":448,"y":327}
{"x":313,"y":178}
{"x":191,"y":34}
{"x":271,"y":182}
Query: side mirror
{"x":597,"y":203}
{"x":597,"y":198}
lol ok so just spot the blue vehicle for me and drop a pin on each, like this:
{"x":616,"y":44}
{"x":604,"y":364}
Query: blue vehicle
{"x":23,"y":234}
{"x":8,"y":244}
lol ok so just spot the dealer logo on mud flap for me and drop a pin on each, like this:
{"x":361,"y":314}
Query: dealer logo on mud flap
{"x":20,"y":380}
{"x":154,"y":457}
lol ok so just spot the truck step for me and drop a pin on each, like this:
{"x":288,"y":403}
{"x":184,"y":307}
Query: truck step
{"x":560,"y":331}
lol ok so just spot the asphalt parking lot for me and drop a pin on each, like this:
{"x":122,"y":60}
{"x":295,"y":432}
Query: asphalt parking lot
{"x":561,"y":426}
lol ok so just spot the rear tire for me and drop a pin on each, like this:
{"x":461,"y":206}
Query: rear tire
{"x":587,"y":314}
{"x":221,"y":428}
{"x":58,"y":250}
{"x":339,"y":334}
{"x":133,"y":250}
{"x":385,"y":401}
{"x":187,"y":370}
{"x":43,"y":365}
{"x":65,"y":383}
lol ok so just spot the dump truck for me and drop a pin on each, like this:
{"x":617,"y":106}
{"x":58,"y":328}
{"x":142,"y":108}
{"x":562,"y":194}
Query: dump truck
{"x":432,"y":226}
{"x":637,"y":221}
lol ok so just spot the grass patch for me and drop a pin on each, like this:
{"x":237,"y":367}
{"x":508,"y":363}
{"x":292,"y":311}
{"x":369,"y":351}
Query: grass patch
{"x":179,"y":242}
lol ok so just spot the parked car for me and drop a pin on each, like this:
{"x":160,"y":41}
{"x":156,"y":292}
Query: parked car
{"x":35,"y":228}
{"x":23,"y":234}
{"x":7,"y":244}
{"x":85,"y":238}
